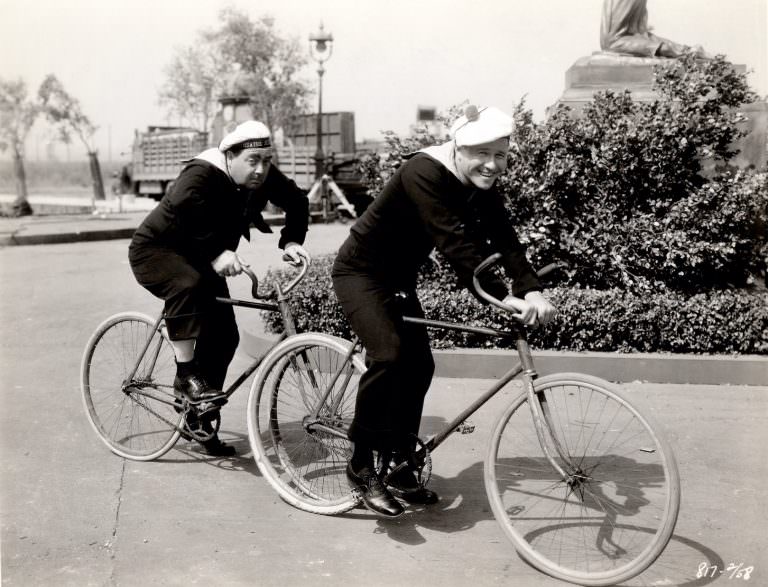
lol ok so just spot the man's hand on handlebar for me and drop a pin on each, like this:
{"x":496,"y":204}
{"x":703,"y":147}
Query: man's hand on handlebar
{"x":534,"y":309}
{"x":545,"y":311}
{"x":520,"y":310}
{"x":229,"y":263}
{"x":294,"y":253}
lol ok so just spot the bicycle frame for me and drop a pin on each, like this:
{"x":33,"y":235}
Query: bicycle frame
{"x":281,"y":306}
{"x":524,"y":366}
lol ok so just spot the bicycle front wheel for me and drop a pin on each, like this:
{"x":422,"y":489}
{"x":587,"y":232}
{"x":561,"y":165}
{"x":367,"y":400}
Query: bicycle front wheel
{"x":613,"y":512}
{"x":299,"y":409}
{"x":134,"y":417}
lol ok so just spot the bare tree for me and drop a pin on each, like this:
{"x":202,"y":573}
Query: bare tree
{"x":241,"y":57}
{"x":65,"y":113}
{"x":269,"y":67}
{"x":17,"y":115}
{"x":193,"y":82}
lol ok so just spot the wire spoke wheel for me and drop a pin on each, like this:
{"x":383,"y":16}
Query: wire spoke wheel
{"x":299,"y":443}
{"x":613,"y":512}
{"x":136,"y":418}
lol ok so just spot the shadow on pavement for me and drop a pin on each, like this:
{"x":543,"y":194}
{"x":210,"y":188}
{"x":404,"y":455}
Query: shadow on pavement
{"x":186,"y":451}
{"x":463,"y":504}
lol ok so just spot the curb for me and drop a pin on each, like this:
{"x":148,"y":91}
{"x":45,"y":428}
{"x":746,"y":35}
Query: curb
{"x":647,"y":367}
{"x":623,"y":368}
{"x":37,"y":236}
{"x":67,"y":237}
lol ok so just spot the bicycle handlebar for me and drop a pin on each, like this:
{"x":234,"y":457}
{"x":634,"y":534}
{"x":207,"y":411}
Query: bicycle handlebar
{"x":255,"y":284}
{"x":509,"y":307}
{"x":302,"y":264}
{"x":489,"y":262}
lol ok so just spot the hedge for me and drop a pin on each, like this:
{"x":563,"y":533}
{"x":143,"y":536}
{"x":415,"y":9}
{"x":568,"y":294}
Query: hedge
{"x":715,"y":321}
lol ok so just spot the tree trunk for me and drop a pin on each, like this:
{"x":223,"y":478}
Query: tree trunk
{"x":20,"y":206}
{"x":98,"y":182}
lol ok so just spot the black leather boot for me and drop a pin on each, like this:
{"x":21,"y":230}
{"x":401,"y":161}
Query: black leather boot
{"x":375,"y":496}
{"x":196,"y":390}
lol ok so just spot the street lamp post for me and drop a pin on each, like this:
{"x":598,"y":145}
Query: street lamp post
{"x":320,"y":48}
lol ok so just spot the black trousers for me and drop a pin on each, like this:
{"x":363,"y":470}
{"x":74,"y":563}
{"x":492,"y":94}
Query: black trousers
{"x":189,"y":290}
{"x":390,"y":399}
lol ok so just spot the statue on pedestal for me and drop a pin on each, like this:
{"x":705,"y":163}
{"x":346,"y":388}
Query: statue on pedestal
{"x":625,"y":30}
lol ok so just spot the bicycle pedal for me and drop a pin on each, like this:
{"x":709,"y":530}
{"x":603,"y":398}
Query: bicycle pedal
{"x":466,"y":427}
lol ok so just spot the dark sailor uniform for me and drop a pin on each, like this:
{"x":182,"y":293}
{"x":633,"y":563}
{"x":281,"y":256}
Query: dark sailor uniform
{"x":171,"y":252}
{"x":423,"y":206}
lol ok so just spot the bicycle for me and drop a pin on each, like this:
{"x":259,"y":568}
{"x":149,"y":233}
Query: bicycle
{"x":584,"y":485}
{"x":127,"y":374}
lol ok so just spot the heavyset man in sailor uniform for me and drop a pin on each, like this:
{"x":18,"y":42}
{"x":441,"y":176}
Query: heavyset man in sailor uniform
{"x":186,"y":246}
{"x":444,"y":197}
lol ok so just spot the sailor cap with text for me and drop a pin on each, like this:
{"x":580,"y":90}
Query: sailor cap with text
{"x":247,"y":135}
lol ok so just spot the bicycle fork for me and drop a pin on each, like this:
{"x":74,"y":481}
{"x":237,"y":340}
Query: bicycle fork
{"x":151,"y":366}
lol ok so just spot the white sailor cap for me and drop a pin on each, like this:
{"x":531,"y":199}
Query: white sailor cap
{"x":481,"y":125}
{"x":247,"y":135}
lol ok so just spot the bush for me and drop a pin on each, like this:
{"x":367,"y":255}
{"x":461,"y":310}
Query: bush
{"x":719,"y":321}
{"x":313,"y":302}
{"x":618,"y":193}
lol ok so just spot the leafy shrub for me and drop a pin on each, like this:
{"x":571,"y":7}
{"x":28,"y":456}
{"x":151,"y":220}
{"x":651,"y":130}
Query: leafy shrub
{"x":719,"y":321}
{"x":619,"y":194}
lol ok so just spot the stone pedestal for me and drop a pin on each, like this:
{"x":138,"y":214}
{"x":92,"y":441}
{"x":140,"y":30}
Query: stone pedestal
{"x":608,"y":71}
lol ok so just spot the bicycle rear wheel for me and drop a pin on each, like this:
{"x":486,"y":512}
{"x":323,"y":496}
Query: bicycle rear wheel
{"x":615,"y":510}
{"x":135,"y":418}
{"x":303,"y":455}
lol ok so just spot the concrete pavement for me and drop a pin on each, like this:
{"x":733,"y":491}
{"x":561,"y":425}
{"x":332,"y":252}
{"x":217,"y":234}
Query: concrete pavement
{"x":74,"y":514}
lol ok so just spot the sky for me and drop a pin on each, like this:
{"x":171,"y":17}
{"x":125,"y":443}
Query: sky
{"x":389,"y":56}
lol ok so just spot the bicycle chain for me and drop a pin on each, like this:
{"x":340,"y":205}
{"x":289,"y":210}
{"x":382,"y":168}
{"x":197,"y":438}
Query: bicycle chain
{"x":186,"y":429}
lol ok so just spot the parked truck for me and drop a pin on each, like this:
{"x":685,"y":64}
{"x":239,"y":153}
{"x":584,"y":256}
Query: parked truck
{"x":159,"y":155}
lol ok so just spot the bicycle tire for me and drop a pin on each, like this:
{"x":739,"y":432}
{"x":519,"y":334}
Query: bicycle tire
{"x":307,"y":467}
{"x":619,"y":510}
{"x":135,"y":420}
